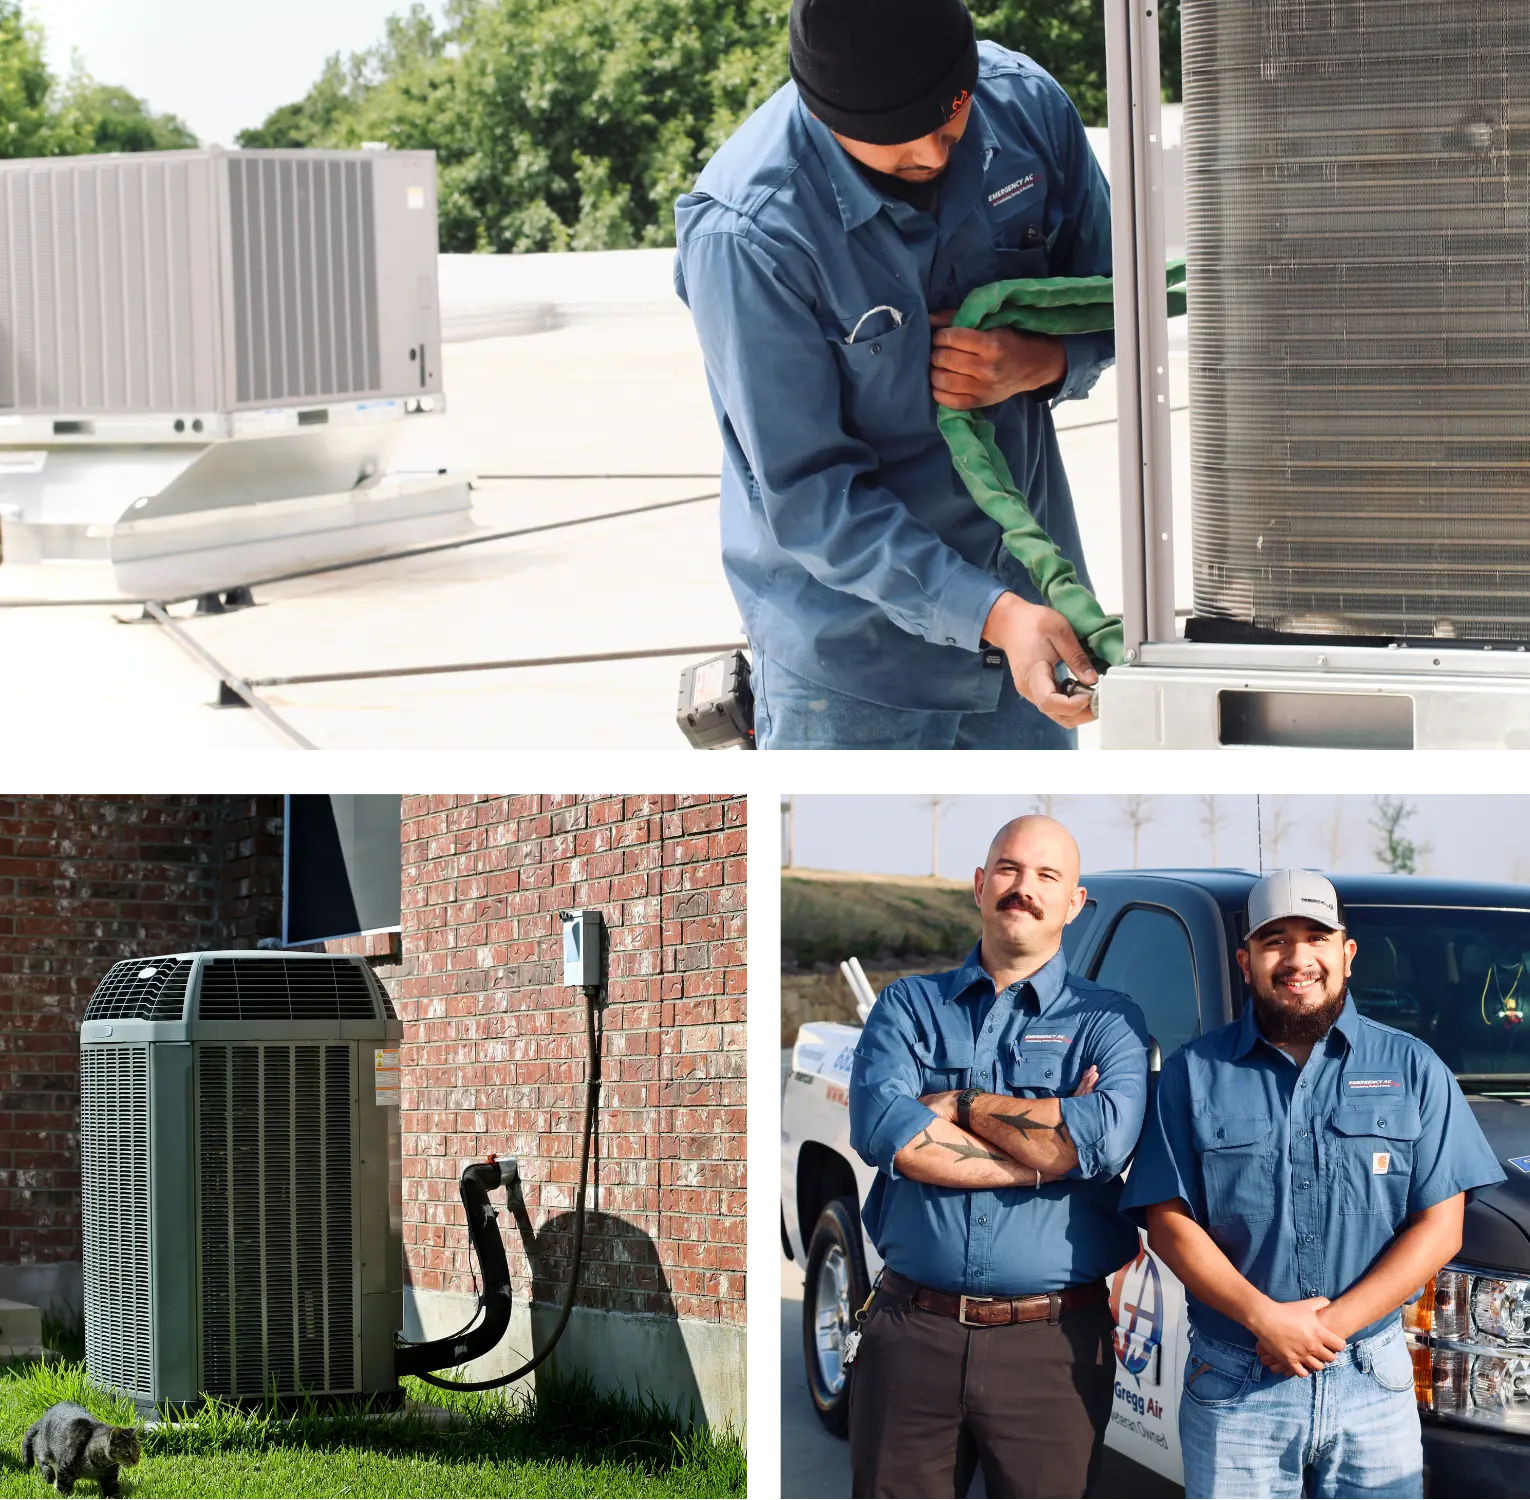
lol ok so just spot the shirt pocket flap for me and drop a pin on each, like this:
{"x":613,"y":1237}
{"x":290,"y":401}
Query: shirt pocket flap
{"x":947,"y":1052}
{"x":874,"y":342}
{"x":1219,"y":1132}
{"x":1034,"y":1070}
{"x":1396,"y":1119}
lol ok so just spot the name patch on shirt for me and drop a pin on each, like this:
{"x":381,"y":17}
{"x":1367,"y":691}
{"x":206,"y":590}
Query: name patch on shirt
{"x":1374,"y":1084}
{"x":1012,"y":190}
{"x":1380,"y":1161}
{"x":1046,"y":1039}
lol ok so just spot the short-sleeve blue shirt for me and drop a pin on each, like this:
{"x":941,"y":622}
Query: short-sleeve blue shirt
{"x":1302,"y":1176}
{"x":857,"y":557}
{"x":1034,"y":1040}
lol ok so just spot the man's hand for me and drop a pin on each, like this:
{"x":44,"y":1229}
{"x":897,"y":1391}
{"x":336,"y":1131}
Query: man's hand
{"x":944,"y":1103}
{"x":1034,"y":639}
{"x":1293,"y":1339}
{"x":969,"y":368}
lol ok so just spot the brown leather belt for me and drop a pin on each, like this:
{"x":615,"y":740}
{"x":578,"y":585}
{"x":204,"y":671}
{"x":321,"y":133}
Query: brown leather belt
{"x":994,"y":1312}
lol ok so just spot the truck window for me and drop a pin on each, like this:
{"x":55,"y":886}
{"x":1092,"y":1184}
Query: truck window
{"x":1456,"y":977}
{"x":1149,"y":958}
{"x":1076,"y":931}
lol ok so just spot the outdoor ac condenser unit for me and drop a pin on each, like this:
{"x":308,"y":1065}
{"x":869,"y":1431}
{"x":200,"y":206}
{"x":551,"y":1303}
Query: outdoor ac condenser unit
{"x":240,"y":1163}
{"x":207,"y":349}
{"x":1357,"y":189}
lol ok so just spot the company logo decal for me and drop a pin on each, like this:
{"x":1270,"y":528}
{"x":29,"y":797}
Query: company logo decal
{"x":1520,"y":1163}
{"x":1363,"y":1085}
{"x":1047,"y":1039}
{"x":1013,"y":189}
{"x":1136,"y":1304}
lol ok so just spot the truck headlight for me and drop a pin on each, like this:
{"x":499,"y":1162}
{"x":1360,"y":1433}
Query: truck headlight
{"x":1469,"y":1333}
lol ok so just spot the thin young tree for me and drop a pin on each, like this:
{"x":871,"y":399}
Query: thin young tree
{"x":1396,"y":852}
{"x":1137,"y":812}
{"x":1213,"y":820}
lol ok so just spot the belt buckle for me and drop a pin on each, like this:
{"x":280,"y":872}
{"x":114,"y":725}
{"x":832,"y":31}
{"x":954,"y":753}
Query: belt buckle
{"x":961,"y":1310}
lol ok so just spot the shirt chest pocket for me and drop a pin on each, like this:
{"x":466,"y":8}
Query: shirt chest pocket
{"x":1034,"y":1073}
{"x":1370,"y":1155}
{"x":1238,"y":1163}
{"x":1020,"y":251}
{"x":944,"y":1063}
{"x":885,"y":375}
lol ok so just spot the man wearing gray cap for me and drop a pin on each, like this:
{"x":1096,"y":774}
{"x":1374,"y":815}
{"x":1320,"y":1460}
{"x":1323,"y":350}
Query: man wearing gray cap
{"x":1304,"y":1172}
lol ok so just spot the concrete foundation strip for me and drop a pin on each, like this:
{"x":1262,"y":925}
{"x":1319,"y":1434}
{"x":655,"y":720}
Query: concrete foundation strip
{"x":226,"y":679}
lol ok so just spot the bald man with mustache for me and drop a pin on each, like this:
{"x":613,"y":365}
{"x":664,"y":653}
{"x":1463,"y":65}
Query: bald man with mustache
{"x":999,"y":1103}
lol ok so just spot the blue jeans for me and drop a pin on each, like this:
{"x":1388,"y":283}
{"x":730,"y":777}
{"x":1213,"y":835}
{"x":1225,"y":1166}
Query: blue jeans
{"x":1351,"y":1429}
{"x":791,"y":713}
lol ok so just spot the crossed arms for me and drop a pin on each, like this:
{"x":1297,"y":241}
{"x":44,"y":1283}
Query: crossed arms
{"x":1010,"y":1143}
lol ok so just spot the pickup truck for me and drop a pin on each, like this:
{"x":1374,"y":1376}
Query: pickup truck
{"x":1448,"y":961}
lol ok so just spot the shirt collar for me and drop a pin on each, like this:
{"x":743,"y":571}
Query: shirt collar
{"x":1347,"y":1025}
{"x":858,"y":201}
{"x":1047,"y":983}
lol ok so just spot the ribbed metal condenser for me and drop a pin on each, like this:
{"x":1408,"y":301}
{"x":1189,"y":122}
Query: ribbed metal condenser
{"x":1357,"y":187}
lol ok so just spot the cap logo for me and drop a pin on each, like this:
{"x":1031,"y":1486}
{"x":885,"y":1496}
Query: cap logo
{"x":957,"y":104}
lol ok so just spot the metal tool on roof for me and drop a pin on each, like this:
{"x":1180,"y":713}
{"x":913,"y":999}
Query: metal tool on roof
{"x":207,"y":359}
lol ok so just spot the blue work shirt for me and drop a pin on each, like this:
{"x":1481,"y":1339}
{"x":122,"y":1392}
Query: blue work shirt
{"x":1302,"y":1176}
{"x":857,"y":557}
{"x":1034,"y":1040}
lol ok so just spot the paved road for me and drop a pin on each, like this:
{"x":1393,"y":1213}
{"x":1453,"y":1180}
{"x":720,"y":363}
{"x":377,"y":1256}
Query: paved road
{"x":815,"y":1464}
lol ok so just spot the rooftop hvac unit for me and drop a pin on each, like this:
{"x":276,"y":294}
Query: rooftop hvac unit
{"x":240,"y":1167}
{"x":1357,"y":198}
{"x":210,"y":337}
{"x":1358,"y":215}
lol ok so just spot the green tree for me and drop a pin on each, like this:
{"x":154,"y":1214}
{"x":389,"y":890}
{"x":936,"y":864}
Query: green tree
{"x":28,"y":126}
{"x":1397,"y":853}
{"x":120,"y":121}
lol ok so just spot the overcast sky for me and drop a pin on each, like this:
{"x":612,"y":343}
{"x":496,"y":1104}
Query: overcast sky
{"x":218,"y":64}
{"x":1473,"y":838}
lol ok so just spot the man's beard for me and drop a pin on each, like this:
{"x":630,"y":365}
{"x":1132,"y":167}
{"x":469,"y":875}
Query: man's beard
{"x":1298,"y":1025}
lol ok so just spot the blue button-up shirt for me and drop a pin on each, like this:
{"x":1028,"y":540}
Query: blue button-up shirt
{"x":1034,"y":1040}
{"x":1303,"y":1175}
{"x":857,"y":557}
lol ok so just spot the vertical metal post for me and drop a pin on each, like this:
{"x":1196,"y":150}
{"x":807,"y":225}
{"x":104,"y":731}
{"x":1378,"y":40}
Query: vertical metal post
{"x":1142,"y":323}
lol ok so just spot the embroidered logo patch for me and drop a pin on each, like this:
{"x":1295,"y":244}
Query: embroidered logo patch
{"x":1047,"y":1039}
{"x":1380,"y":1161}
{"x":1013,"y":189}
{"x":1520,"y":1163}
{"x":1373,"y":1085}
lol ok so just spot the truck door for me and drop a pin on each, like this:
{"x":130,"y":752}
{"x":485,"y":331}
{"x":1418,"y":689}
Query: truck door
{"x":1149,"y":956}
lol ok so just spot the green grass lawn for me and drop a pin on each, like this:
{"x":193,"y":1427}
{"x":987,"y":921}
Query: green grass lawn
{"x":567,"y":1440}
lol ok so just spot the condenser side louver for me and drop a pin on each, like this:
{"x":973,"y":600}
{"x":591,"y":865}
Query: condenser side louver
{"x":1357,"y":187}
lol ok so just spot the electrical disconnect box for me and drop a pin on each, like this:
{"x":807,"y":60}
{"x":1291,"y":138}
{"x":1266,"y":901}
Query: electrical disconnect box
{"x":582,"y":967}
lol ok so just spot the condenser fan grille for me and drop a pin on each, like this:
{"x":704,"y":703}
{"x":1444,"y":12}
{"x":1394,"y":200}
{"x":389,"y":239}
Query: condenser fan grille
{"x":142,"y":990}
{"x":275,"y":1147}
{"x":284,"y":989}
{"x":1358,"y":228}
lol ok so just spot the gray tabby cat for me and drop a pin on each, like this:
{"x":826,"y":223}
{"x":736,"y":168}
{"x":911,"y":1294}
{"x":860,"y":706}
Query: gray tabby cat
{"x":67,"y":1444}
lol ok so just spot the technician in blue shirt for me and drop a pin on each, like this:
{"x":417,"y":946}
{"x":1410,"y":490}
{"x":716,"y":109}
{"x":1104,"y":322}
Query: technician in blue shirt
{"x":822,"y":253}
{"x":1304,"y":1173}
{"x":999,"y":1104}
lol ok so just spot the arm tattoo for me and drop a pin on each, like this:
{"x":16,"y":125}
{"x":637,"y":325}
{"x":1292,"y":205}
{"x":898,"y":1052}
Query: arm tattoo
{"x":1022,"y":1122}
{"x":958,"y":1148}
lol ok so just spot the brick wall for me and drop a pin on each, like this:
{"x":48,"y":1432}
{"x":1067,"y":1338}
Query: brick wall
{"x":494,"y":1055}
{"x":84,"y":882}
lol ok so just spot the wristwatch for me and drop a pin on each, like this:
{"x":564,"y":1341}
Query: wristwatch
{"x":964,"y":1107}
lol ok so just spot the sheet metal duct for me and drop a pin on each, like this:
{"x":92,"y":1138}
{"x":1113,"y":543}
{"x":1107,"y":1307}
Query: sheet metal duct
{"x":1358,"y":225}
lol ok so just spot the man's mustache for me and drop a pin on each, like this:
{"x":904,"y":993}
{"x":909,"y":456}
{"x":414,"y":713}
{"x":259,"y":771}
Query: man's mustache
{"x":1019,"y":901}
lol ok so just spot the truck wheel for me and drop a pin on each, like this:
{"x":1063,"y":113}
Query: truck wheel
{"x":836,"y":1288}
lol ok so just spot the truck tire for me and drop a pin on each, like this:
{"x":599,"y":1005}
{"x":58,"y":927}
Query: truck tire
{"x":835,"y":1288}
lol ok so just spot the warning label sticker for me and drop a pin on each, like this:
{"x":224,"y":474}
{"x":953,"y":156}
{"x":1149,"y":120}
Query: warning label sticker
{"x":386,"y":1070}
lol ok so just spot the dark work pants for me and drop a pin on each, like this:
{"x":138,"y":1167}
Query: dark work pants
{"x":931,"y":1399}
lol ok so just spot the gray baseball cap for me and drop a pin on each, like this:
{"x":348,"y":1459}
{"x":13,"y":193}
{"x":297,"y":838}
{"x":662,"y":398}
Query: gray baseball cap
{"x":1292,"y":893}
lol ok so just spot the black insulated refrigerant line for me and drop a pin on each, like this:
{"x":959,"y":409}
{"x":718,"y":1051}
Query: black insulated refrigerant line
{"x":493,"y":1316}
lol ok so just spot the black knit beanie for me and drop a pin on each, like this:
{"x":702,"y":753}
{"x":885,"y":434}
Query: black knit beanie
{"x":883,"y":71}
